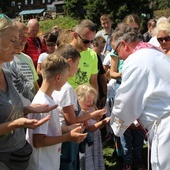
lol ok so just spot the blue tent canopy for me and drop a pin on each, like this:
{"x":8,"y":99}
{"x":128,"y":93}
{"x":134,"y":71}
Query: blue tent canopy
{"x":33,"y":11}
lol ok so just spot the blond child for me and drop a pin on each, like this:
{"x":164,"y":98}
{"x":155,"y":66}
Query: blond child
{"x":46,"y":140}
{"x":93,"y":157}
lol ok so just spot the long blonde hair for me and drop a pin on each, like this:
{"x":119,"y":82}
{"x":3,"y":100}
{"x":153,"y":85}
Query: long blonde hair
{"x":84,"y":90}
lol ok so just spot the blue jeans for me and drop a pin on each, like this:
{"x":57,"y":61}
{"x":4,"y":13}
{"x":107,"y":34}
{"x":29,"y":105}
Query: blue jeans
{"x":69,"y":156}
{"x":132,"y":145}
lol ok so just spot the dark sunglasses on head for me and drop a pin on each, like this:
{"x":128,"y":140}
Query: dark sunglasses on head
{"x":84,"y":40}
{"x":50,"y":45}
{"x":161,"y":39}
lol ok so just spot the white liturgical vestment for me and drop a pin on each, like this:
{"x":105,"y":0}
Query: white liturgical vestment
{"x":145,"y":94}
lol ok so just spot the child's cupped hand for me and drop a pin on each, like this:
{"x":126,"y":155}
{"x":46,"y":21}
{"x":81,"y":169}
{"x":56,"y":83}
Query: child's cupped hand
{"x":76,"y":134}
{"x":98,"y":114}
{"x":106,"y":120}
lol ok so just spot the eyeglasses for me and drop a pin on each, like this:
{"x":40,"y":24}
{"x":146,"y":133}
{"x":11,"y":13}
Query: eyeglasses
{"x":161,"y":39}
{"x":84,"y":40}
{"x":115,"y":51}
{"x":50,"y":45}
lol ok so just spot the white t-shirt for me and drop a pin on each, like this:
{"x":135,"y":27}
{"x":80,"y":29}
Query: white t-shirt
{"x":42,"y":57}
{"x":46,"y":157}
{"x":65,"y":97}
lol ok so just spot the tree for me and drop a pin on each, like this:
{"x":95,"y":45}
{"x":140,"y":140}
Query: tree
{"x":93,"y":9}
{"x":161,"y":4}
{"x":75,"y":8}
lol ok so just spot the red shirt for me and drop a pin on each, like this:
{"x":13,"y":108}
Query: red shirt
{"x":34,"y":47}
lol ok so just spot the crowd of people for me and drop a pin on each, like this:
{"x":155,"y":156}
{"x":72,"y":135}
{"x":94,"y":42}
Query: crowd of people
{"x":58,"y":90}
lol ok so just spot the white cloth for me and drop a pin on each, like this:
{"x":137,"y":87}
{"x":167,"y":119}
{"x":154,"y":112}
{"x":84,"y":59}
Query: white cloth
{"x":154,"y":41}
{"x":144,"y":93}
{"x":42,"y":57}
{"x":111,"y":87}
{"x":107,"y":60}
{"x":65,"y":97}
{"x":46,"y":157}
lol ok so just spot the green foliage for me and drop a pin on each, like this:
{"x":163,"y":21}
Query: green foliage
{"x":75,"y":8}
{"x":161,"y":4}
{"x":93,"y":9}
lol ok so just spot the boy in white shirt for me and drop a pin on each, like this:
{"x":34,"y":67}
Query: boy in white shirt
{"x":46,"y":140}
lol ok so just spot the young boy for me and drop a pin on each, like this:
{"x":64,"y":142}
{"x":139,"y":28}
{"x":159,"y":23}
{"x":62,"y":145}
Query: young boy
{"x":46,"y":140}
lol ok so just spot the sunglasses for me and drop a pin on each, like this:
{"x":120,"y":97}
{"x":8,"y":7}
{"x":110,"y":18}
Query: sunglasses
{"x":115,"y":51}
{"x":84,"y":40}
{"x":50,"y":45}
{"x":161,"y":39}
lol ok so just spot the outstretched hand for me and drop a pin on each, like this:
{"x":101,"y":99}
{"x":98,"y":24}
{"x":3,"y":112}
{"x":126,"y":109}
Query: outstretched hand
{"x":98,"y":114}
{"x":39,"y":108}
{"x":30,"y":123}
{"x":73,"y":126}
{"x":76,"y":134}
{"x":106,"y":120}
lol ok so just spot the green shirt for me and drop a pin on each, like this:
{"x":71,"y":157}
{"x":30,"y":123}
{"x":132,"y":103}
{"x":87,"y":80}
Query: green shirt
{"x":88,"y":65}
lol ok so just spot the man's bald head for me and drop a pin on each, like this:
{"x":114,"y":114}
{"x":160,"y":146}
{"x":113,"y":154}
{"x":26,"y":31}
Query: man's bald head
{"x":33,"y":28}
{"x":32,"y":22}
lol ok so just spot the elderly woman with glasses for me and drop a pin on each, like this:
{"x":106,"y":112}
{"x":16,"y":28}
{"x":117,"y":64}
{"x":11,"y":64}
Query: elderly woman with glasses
{"x":14,"y":149}
{"x":163,"y":36}
{"x":143,"y":94}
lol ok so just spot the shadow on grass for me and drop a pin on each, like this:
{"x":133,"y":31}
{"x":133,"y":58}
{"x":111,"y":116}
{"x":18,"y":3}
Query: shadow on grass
{"x":112,"y":161}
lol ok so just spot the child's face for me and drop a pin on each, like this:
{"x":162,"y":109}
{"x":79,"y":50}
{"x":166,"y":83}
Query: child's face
{"x":106,"y":23}
{"x":73,"y":67}
{"x":98,"y":49}
{"x":86,"y":103}
{"x":50,"y":47}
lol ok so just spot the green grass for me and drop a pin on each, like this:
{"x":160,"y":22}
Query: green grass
{"x":108,"y":157}
{"x":62,"y":22}
{"x":112,"y":161}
